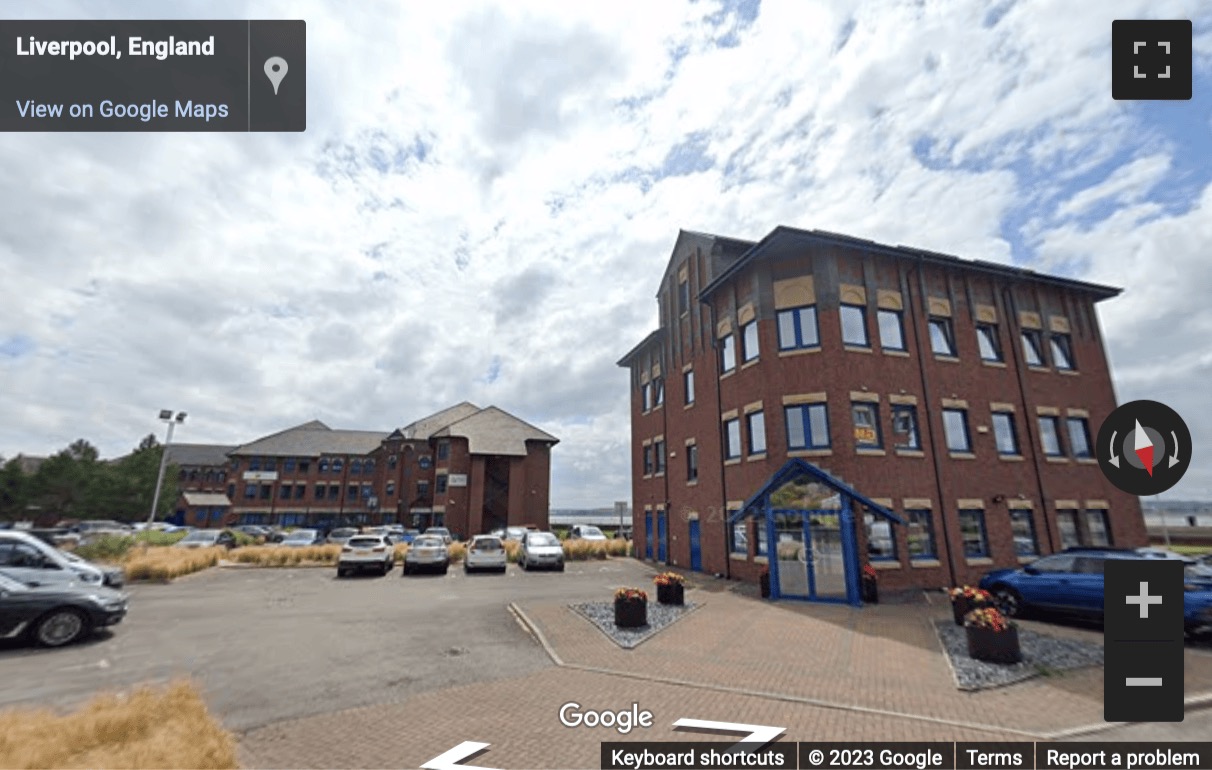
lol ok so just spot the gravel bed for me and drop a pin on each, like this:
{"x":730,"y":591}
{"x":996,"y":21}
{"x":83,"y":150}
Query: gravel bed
{"x":1042,"y":655}
{"x":660,"y":617}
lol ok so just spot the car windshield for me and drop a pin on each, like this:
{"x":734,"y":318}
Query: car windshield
{"x":199,"y":536}
{"x":427,"y":542}
{"x":591,"y":532}
{"x":437,"y":531}
{"x":486,"y":544}
{"x":543,"y":539}
{"x":364,"y":542}
{"x":303,"y":534}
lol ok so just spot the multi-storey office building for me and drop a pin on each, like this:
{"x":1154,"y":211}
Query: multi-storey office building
{"x":962,"y":396}
{"x":466,"y":468}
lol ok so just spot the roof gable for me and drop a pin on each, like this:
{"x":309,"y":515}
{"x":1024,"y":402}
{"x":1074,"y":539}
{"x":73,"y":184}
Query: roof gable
{"x":494,"y":431}
{"x":428,"y":426}
{"x":312,"y":439}
{"x":797,"y":468}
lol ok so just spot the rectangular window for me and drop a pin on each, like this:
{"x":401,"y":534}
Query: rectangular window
{"x":904,"y":427}
{"x":334,"y":491}
{"x":367,"y":491}
{"x":972,"y":529}
{"x":763,"y":538}
{"x":300,"y":491}
{"x":892,"y":329}
{"x":683,"y":297}
{"x":955,"y":426}
{"x":1022,"y":525}
{"x":942,"y":338}
{"x":739,"y":538}
{"x":267,"y":491}
{"x":231,"y":491}
{"x":1066,"y":523}
{"x":289,"y":464}
{"x":351,"y":493}
{"x":658,"y":450}
{"x":1004,"y":433}
{"x":727,"y":354}
{"x":750,"y":348}
{"x":1098,"y":527}
{"x":1033,"y":352}
{"x":797,"y":328}
{"x":1079,"y":437}
{"x":866,"y":425}
{"x":443,"y":450}
{"x":250,"y":490}
{"x":692,"y":462}
{"x":854,"y":326}
{"x":732,"y":439}
{"x":422,"y":489}
{"x":270,"y":464}
{"x":648,"y":460}
{"x":920,"y":534}
{"x":284,"y":491}
{"x":254,"y":464}
{"x":304,"y":466}
{"x":688,"y":385}
{"x":658,"y":391}
{"x":1049,"y":435}
{"x":320,"y":490}
{"x":441,"y":486}
{"x":757,"y":432}
{"x":646,"y":396}
{"x":987,"y":342}
{"x":881,"y":540}
{"x":1062,"y":352}
{"x":807,"y":426}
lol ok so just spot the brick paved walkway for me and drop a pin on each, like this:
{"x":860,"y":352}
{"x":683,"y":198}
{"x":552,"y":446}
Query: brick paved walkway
{"x":823,"y":672}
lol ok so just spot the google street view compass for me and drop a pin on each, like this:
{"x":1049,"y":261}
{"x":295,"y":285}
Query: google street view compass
{"x":1144,"y":448}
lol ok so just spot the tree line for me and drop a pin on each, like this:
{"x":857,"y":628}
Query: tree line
{"x":76,"y":484}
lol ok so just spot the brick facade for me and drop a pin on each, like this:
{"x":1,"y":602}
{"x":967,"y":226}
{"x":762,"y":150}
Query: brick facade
{"x":717,"y":288}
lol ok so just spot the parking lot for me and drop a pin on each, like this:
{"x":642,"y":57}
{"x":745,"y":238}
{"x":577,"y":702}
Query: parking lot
{"x":275,"y":644}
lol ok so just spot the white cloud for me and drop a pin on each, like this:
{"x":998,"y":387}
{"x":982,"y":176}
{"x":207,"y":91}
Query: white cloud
{"x":479,"y":190}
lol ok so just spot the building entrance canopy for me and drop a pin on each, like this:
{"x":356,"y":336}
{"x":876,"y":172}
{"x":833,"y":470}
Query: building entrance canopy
{"x":807,"y":517}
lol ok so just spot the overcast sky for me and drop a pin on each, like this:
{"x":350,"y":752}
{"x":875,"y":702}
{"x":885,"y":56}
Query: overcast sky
{"x":486,"y":196}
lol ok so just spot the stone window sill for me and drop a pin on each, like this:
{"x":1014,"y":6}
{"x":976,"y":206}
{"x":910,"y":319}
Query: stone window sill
{"x":1038,"y":369}
{"x":798,"y":351}
{"x":752,"y":363}
{"x":810,"y":453}
{"x":896,"y":353}
{"x":1011,"y":458}
{"x":1027,"y":559}
{"x":925,"y":563}
{"x":692,"y":483}
{"x":687,"y":406}
{"x":910,"y":453}
{"x":870,"y":452}
{"x":979,"y":562}
{"x":1087,"y":461}
{"x":755,"y":457}
{"x":727,"y":374}
{"x":761,"y":560}
{"x":994,"y":364}
{"x":947,"y":359}
{"x":884,"y":565}
{"x":733,"y":461}
{"x":1057,"y":459}
{"x":962,"y":455}
{"x":856,"y":349}
{"x":738,"y":557}
{"x":1071,"y":372}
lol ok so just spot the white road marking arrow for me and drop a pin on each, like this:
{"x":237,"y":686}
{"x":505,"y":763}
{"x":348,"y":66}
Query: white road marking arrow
{"x":1114,"y":456}
{"x":450,"y":760}
{"x":1174,"y":455}
{"x":758,"y":735}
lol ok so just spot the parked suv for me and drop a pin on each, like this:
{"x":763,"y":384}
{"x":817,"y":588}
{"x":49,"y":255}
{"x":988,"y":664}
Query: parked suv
{"x":366,"y":552}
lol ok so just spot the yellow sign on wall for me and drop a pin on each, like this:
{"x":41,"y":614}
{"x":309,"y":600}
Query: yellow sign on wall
{"x":864,"y":435}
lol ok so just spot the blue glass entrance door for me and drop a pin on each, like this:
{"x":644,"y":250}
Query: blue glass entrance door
{"x":696,"y":547}
{"x":662,"y":534}
{"x":790,"y":558}
{"x":826,"y":562}
{"x":647,"y":534}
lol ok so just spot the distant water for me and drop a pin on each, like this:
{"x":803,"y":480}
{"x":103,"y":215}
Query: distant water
{"x":1179,"y":519}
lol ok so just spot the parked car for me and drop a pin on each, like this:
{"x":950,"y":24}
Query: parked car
{"x":1071,"y":582}
{"x":114,"y":577}
{"x":485,"y":552}
{"x":341,"y":535}
{"x":586,"y":532}
{"x":300,"y":538}
{"x":174,"y":528}
{"x":55,"y":614}
{"x":516,"y":533}
{"x":275,"y":535}
{"x":254,"y":530}
{"x":1155,"y":552}
{"x":366,"y":552}
{"x":441,"y":532}
{"x":541,"y":549}
{"x":395,"y":531}
{"x":427,"y":552}
{"x":407,"y":535}
{"x":207,"y":538}
{"x":32,"y":560}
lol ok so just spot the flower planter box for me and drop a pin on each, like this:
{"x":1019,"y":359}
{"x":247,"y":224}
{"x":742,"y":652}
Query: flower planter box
{"x":961,"y":606}
{"x":994,"y":646}
{"x":870,"y":590}
{"x":630,"y":613}
{"x":674,"y":593}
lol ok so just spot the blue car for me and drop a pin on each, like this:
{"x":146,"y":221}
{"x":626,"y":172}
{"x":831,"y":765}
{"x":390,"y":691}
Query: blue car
{"x":1071,"y":582}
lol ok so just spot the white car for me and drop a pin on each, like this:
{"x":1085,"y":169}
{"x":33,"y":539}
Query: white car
{"x":586,"y":532}
{"x":32,"y":560}
{"x":485,"y":552}
{"x":441,"y":532}
{"x":301,"y":538}
{"x":366,"y":552}
{"x":427,"y":552}
{"x":541,"y":549}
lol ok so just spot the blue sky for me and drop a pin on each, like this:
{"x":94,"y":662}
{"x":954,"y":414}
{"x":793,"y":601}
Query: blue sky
{"x":487,"y":194}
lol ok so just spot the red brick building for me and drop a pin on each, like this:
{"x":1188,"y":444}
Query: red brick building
{"x":961,"y":395}
{"x":466,"y":468}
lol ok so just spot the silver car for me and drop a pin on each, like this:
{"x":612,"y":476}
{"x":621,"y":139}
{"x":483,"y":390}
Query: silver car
{"x":541,"y":549}
{"x":427,"y":552}
{"x":341,"y":535}
{"x":485,"y":552}
{"x":301,"y":538}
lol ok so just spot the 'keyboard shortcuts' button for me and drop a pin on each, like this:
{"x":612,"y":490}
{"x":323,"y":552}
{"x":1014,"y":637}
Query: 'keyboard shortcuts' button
{"x":1143,"y":682}
{"x":1143,"y":600}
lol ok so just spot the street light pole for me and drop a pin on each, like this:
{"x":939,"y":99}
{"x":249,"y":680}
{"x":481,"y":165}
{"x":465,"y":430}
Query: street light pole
{"x":173,"y":420}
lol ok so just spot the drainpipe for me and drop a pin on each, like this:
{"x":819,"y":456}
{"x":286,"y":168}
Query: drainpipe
{"x":1016,"y":335}
{"x":719,"y":409}
{"x":927,"y":406}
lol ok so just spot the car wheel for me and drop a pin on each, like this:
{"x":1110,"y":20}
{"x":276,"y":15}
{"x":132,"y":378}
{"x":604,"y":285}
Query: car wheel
{"x":1009,"y":601}
{"x":342,"y":572}
{"x":522,"y":564}
{"x":60,"y":627}
{"x":406,"y":570}
{"x":560,"y":567}
{"x":445,"y":568}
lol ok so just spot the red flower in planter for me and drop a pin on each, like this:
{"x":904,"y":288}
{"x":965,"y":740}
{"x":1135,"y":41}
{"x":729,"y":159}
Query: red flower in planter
{"x":869,"y":572}
{"x":630,"y":595}
{"x":669,"y":579}
{"x":972,"y":594}
{"x":989,"y":618}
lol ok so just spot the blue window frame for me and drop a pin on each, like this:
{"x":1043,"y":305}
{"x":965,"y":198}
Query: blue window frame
{"x":972,"y":529}
{"x":1022,"y":526}
{"x":289,"y":465}
{"x":881,"y":538}
{"x":443,"y":450}
{"x":355,"y":467}
{"x":250,"y":491}
{"x":323,"y":465}
{"x":750,"y":346}
{"x":732,"y":439}
{"x":854,"y":326}
{"x":727,"y":354}
{"x":738,"y":537}
{"x":426,"y":462}
{"x":254,"y":464}
{"x":920,"y":535}
{"x":955,"y":429}
{"x":688,"y":386}
{"x":798,"y":328}
{"x":892,"y":329}
{"x":757,"y":432}
{"x":391,"y":488}
{"x":337,"y":464}
{"x":441,"y":487}
{"x":807,"y":426}
{"x":270,"y":464}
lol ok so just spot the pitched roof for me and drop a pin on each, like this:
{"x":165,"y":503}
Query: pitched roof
{"x":493,"y":431}
{"x":312,"y":439}
{"x":198,"y":454}
{"x":214,"y":499}
{"x":427,"y":426}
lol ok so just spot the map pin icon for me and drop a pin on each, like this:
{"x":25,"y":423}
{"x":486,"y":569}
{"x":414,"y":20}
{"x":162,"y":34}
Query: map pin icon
{"x":275,"y":70}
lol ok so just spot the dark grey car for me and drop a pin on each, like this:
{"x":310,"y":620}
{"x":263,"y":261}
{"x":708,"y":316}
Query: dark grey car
{"x":56,"y":614}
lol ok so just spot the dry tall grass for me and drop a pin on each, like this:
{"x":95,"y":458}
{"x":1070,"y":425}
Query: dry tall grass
{"x":279,"y":556}
{"x":149,"y":728}
{"x":165,"y":563}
